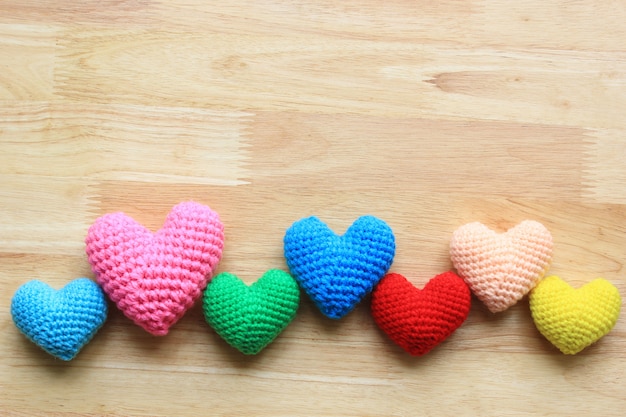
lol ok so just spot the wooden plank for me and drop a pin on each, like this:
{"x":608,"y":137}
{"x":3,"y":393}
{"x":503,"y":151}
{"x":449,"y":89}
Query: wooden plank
{"x":426,"y":114}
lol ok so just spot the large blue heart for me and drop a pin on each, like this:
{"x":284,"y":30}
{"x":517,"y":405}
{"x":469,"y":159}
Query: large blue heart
{"x":338,"y":271}
{"x":61,"y":322}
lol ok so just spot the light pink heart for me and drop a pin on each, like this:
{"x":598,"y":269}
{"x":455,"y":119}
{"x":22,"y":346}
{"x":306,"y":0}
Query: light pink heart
{"x":154,"y":278}
{"x":501,"y":269}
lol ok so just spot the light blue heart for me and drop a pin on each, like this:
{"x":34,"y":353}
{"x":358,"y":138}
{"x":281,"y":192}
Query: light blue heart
{"x":60,"y":322}
{"x":338,"y":271}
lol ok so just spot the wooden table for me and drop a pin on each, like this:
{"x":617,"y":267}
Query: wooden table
{"x":426,"y":114}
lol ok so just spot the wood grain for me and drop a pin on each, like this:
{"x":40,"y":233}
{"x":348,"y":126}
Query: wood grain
{"x":426,"y":114}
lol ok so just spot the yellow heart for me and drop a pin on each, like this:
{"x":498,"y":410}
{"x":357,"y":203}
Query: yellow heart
{"x":572,"y":319}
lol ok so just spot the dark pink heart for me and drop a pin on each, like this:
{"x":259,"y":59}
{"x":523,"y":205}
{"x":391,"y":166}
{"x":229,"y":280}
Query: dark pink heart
{"x":154,"y":278}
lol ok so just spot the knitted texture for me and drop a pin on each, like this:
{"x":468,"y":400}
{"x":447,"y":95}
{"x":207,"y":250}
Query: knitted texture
{"x":251,"y":317}
{"x":338,"y":271}
{"x":501,"y":268}
{"x":154,"y":278}
{"x":60,"y":322}
{"x":418,"y":320}
{"x":572,"y":319}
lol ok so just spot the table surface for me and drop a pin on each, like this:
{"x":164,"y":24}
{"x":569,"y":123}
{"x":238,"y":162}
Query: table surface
{"x":426,"y":114}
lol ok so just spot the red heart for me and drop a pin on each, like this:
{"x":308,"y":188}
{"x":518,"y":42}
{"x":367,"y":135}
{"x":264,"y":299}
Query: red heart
{"x":418,"y":320}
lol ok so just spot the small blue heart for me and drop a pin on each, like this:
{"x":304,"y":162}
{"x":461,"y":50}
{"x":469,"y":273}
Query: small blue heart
{"x":60,"y":322}
{"x":338,"y":271}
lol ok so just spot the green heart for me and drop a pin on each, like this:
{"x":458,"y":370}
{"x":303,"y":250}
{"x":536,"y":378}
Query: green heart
{"x":251,"y":317}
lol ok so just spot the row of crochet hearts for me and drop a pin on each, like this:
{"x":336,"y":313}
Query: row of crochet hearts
{"x":154,"y":278}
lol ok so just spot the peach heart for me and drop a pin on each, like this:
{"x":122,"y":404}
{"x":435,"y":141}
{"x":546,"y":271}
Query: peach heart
{"x":501,"y":269}
{"x":154,"y":278}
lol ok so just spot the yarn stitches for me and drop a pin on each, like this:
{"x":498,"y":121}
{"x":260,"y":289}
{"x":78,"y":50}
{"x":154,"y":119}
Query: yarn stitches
{"x":418,"y":320}
{"x":338,"y":271}
{"x":251,"y":317}
{"x":60,"y":322}
{"x":154,"y":278}
{"x":572,"y":319}
{"x":501,"y":268}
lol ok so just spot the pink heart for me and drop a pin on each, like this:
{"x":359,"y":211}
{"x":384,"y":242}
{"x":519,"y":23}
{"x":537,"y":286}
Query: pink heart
{"x":501,"y":268}
{"x":154,"y":278}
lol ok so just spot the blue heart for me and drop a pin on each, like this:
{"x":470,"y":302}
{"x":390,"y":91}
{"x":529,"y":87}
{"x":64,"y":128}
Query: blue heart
{"x":61,"y":322}
{"x":338,"y":271}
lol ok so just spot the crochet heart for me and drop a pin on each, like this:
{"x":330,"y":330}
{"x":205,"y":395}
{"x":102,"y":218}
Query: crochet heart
{"x":501,"y":269}
{"x":572,"y":319}
{"x":251,"y":317}
{"x":154,"y":278}
{"x":338,"y":271}
{"x":60,"y":322}
{"x":418,"y":320}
